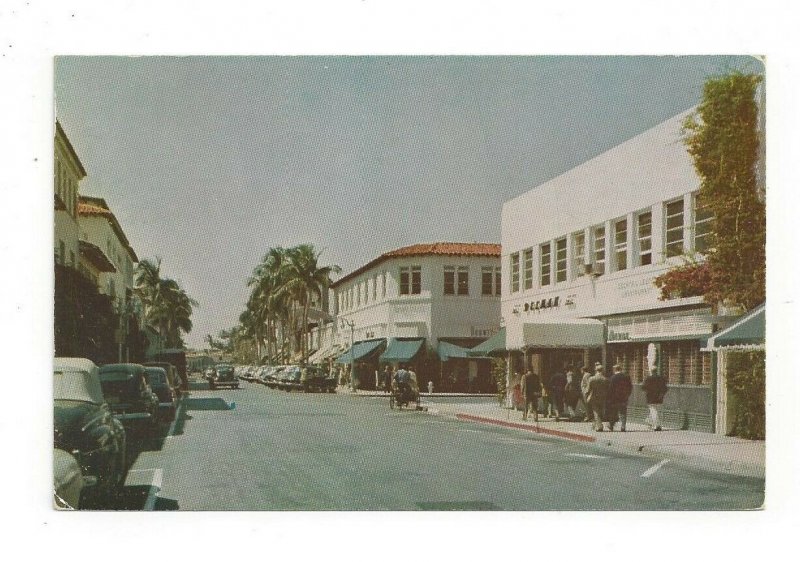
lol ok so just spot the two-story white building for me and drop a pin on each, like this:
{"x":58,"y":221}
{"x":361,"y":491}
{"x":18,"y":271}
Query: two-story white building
{"x":67,"y":174}
{"x":100,"y":229}
{"x":580,"y":254}
{"x":442,"y":297}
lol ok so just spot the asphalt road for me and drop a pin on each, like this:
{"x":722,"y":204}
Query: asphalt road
{"x":254,"y":448}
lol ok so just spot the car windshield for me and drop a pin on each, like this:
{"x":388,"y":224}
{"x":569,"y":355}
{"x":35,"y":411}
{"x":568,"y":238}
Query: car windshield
{"x":115,"y":376}
{"x":156,"y":376}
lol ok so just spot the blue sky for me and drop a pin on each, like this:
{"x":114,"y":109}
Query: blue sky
{"x":209,"y":161}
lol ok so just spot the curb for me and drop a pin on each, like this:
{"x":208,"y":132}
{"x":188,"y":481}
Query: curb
{"x":526,"y":427}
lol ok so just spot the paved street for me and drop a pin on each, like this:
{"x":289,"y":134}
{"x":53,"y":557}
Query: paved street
{"x":254,"y":448}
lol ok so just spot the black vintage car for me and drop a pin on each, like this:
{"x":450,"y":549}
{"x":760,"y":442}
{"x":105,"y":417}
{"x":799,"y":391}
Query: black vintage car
{"x":315,"y":379}
{"x":173,"y":378}
{"x":129,"y":395}
{"x":84,"y":425}
{"x":167,"y":402}
{"x":223,"y":375}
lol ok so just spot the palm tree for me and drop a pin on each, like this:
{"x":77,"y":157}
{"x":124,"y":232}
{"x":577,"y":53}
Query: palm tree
{"x":305,"y":279}
{"x":167,"y":307}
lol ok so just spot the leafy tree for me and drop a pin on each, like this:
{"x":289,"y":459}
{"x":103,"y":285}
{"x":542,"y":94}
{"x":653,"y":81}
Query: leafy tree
{"x":723,"y":139}
{"x":167,"y":307}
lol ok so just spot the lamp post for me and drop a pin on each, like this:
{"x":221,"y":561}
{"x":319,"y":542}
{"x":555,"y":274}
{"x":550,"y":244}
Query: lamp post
{"x":352,"y":358}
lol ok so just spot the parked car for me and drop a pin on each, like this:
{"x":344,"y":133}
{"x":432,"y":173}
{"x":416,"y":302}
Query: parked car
{"x":68,"y":480}
{"x":254,"y":374}
{"x":129,"y":395}
{"x":173,"y":378}
{"x":270,"y":376}
{"x":292,"y":377}
{"x":85,"y":428}
{"x":315,"y":379}
{"x":167,"y":401}
{"x":223,"y":376}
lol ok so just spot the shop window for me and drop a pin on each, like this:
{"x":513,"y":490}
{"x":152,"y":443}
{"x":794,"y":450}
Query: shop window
{"x":599,"y":235}
{"x":644,"y":227}
{"x":544,"y":263}
{"x":527,"y":269}
{"x":578,"y":254}
{"x":449,"y":280}
{"x":674,"y":238}
{"x":514,"y":267}
{"x":702,"y":226}
{"x":621,"y":244}
{"x":463,"y":281}
{"x":561,"y":260}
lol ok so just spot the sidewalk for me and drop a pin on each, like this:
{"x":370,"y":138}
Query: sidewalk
{"x":729,"y":455}
{"x":380,"y":393}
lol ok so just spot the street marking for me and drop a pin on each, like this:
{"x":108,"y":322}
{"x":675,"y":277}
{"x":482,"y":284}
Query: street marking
{"x":586,"y":456}
{"x":155,"y":487}
{"x":175,"y":421}
{"x":650,"y":471}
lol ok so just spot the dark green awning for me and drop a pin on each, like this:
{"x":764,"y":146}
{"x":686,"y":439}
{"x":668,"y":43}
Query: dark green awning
{"x":360,"y":350}
{"x":494,"y":345}
{"x":402,"y":349}
{"x":451,"y":351}
{"x":748,"y":331}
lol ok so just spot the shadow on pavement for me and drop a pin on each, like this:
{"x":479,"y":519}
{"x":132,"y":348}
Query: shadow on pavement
{"x":457,"y":506}
{"x":130,"y":498}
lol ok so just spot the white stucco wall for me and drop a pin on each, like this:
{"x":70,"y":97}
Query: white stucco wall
{"x":98,"y":231}
{"x":66,"y":179}
{"x":636,"y":176}
{"x":431,"y":314}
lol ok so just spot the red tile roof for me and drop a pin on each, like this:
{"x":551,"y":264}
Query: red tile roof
{"x":434,"y":249}
{"x":96,"y":206}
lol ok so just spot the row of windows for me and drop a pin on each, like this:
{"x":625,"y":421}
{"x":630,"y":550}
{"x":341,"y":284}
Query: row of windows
{"x":61,"y":255}
{"x":456,"y":283}
{"x":625,"y":252}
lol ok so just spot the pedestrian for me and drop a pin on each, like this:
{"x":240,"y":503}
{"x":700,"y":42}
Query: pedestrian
{"x":620,"y":388}
{"x":430,"y":387}
{"x":572,"y":393}
{"x":597,"y":396}
{"x":547,"y":401}
{"x":655,"y":388}
{"x":558,"y":384}
{"x":531,"y":391}
{"x":387,"y":379}
{"x":586,"y":374}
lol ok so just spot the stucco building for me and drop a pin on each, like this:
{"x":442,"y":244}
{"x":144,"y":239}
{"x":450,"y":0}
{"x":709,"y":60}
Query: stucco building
{"x":67,"y":174}
{"x":580,"y":254}
{"x":425,"y":300}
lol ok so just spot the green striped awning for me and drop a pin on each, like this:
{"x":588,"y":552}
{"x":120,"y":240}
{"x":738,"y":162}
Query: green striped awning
{"x":402,"y":349}
{"x":493,"y":345}
{"x":360,"y":350}
{"x":451,"y":351}
{"x":750,"y":330}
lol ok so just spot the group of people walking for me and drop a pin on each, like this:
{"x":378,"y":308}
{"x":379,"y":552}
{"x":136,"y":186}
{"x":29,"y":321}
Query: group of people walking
{"x":605,"y":399}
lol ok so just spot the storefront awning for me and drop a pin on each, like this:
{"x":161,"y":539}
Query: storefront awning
{"x":448,"y":351}
{"x":323,"y":354}
{"x":747,"y":332}
{"x":402,"y":349}
{"x":492,"y":346}
{"x":361,"y":350}
{"x":572,"y":333}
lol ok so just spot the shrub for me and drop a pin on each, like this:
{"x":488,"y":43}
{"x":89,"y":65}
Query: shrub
{"x":746,"y":379}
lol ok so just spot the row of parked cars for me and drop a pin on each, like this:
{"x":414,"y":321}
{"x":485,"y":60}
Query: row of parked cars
{"x":95,"y":410}
{"x":289,"y":377}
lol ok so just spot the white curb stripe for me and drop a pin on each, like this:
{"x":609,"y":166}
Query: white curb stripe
{"x":650,"y":471}
{"x":155,"y":487}
{"x":586,"y":456}
{"x":175,"y":421}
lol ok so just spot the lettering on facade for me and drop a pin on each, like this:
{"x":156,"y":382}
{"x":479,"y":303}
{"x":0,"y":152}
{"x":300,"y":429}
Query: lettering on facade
{"x":634,"y":288}
{"x":552,"y":302}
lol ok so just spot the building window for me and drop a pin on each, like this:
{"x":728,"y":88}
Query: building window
{"x":71,"y":258}
{"x":599,"y":250}
{"x":621,"y":244}
{"x":358,"y":294}
{"x":410,"y":280}
{"x":383,"y":284}
{"x":449,"y":280}
{"x":487,"y":277}
{"x":497,"y":278}
{"x":463,"y":281}
{"x":514,"y":272}
{"x":579,"y":254}
{"x":61,"y":252}
{"x":375,"y":289}
{"x":644,"y":227}
{"x":561,"y":260}
{"x":527,"y":269}
{"x":674,"y":239}
{"x":702,"y":226}
{"x":544,"y":264}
